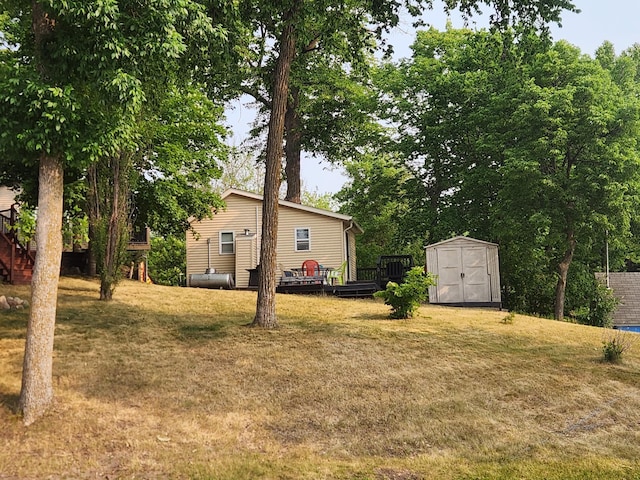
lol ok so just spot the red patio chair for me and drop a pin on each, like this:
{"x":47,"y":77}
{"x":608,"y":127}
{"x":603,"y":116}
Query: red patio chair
{"x":310,"y":268}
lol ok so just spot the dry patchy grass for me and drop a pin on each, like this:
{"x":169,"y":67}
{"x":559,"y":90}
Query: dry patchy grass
{"x":171,"y":383}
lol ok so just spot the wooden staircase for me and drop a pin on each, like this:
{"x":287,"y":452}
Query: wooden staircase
{"x":16,"y":261}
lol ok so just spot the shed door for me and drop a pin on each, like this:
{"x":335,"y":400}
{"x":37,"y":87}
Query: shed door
{"x":475,"y":278}
{"x":462,"y":275}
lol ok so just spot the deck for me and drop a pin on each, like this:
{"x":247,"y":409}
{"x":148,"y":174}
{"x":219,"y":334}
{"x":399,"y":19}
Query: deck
{"x":316,"y":285}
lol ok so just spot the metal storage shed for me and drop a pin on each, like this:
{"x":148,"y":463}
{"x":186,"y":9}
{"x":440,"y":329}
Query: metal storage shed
{"x":467,"y":272}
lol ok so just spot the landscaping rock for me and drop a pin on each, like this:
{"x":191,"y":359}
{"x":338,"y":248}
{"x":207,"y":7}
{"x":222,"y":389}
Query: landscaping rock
{"x":15,"y":303}
{"x":4,"y":305}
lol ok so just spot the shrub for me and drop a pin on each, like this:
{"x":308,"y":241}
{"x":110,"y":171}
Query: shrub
{"x":404,"y":298}
{"x":167,"y":262}
{"x":615,"y":344}
{"x":25,"y":226}
{"x":599,"y":313}
{"x":508,"y":320}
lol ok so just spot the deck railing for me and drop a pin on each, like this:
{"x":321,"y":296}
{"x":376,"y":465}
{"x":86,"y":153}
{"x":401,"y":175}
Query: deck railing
{"x":367,"y":274}
{"x":7,"y":222}
{"x":388,"y":267}
{"x":140,"y":239}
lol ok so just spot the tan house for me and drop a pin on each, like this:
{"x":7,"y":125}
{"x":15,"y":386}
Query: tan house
{"x":7,"y":198}
{"x":229,"y":243}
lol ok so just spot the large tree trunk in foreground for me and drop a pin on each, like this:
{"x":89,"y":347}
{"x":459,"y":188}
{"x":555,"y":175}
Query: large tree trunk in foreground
{"x":37,"y":387}
{"x":293,"y":147}
{"x":563,"y":270}
{"x":266,"y":303}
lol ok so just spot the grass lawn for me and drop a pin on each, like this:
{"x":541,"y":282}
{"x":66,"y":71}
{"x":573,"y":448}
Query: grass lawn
{"x":170,"y":383}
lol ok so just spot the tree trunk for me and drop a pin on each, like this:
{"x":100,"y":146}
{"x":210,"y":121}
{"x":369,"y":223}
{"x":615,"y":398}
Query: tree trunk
{"x":37,"y":387}
{"x":108,"y":195}
{"x":92,"y":267}
{"x":266,"y":303}
{"x":293,"y":146}
{"x":563,"y":270}
{"x":116,"y":233}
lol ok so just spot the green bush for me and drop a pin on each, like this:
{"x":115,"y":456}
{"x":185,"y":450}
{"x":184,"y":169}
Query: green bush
{"x":508,"y":320}
{"x":599,"y":313}
{"x":167,"y":260}
{"x":25,"y":226}
{"x":404,"y":298}
{"x":615,"y":344}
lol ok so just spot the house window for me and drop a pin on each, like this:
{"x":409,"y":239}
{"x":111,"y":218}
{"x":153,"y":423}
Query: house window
{"x":227,"y":245}
{"x":303,"y":239}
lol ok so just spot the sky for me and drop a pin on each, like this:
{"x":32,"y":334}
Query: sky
{"x":599,"y":21}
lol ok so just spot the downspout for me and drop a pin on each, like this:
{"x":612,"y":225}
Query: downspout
{"x":258,"y":236}
{"x":208,"y":255}
{"x":346,"y":240}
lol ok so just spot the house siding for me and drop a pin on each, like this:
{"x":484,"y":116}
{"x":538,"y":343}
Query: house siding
{"x":327,"y":239}
{"x":7,"y":198}
{"x":239,"y":214}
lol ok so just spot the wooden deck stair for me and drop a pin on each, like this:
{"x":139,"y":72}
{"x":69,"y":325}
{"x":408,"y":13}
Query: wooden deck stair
{"x":16,"y":262}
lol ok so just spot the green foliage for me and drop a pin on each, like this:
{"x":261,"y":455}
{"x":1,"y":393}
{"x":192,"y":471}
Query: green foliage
{"x":109,"y":208}
{"x":25,"y":225}
{"x":242,"y":170}
{"x":75,"y":230}
{"x":75,"y":224}
{"x":404,"y":298}
{"x":615,"y":344}
{"x":526,"y":144}
{"x":509,"y":319}
{"x":182,"y":153}
{"x":77,"y":91}
{"x":317,"y":199}
{"x":167,"y":260}
{"x":377,"y":198}
{"x":599,"y":311}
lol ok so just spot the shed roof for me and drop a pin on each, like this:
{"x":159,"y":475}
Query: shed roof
{"x":318,"y":211}
{"x":626,"y":288}
{"x":460,"y":237}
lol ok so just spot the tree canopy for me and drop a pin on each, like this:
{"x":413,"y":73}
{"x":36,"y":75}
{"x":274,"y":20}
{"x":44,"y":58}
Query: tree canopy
{"x":78,"y":78}
{"x":294,"y":27}
{"x":532,"y":147}
{"x":180,"y":154}
{"x":75,"y":76}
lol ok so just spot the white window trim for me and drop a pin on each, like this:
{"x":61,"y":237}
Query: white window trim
{"x":233,"y":242}
{"x":295,"y":239}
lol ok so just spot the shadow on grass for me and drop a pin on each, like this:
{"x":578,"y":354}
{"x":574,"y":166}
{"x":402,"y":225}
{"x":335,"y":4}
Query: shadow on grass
{"x":9,"y":401}
{"x":94,"y":288}
{"x":377,"y":317}
{"x":13,"y":325}
{"x":212,"y":331}
{"x":83,"y":314}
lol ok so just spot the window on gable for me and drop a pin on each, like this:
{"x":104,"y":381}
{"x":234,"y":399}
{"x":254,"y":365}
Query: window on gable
{"x":227,"y":244}
{"x":303,"y":239}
